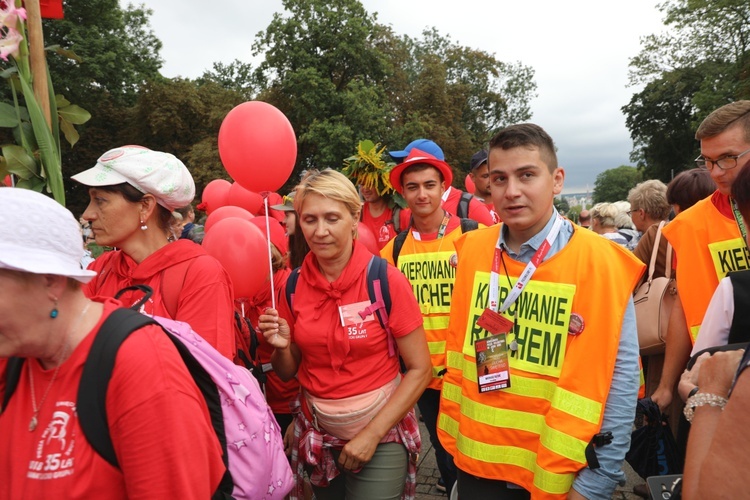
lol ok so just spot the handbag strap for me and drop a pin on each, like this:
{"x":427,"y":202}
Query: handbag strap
{"x":655,"y":251}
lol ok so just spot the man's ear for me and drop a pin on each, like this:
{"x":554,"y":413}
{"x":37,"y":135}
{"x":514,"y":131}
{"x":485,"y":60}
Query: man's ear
{"x":558,"y":179}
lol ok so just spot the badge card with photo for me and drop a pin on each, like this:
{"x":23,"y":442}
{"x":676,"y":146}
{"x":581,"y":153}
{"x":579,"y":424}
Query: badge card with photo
{"x":493,"y":371}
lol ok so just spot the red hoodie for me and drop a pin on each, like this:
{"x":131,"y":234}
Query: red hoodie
{"x":202,"y":286}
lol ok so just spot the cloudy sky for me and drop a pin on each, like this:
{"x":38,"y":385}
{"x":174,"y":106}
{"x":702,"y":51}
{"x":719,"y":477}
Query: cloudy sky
{"x":579,"y":49}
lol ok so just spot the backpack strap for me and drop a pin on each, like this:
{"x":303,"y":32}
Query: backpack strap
{"x":97,"y":371}
{"x":380,"y":297}
{"x":398,"y":243}
{"x":395,"y":219}
{"x":468,"y":225}
{"x":291,"y":286}
{"x":12,"y":376}
{"x":463,"y":205}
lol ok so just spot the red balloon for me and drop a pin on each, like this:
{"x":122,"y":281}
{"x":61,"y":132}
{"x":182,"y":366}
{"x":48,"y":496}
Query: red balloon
{"x":215,"y":194}
{"x":470,"y":187}
{"x":257,"y":146}
{"x":366,"y":237}
{"x":278,"y":234}
{"x":226,"y":212}
{"x":8,"y":181}
{"x":240,"y":247}
{"x":241,"y":197}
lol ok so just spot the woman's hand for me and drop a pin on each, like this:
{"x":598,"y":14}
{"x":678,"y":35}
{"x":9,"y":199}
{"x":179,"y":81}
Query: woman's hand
{"x":359,"y":450}
{"x":689,"y":378}
{"x":718,"y":372}
{"x":275,"y":329}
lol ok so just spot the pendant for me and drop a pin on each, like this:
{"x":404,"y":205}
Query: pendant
{"x":32,"y":424}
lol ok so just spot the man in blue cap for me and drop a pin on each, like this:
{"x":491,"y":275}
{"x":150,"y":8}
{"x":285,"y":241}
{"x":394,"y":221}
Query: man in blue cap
{"x":455,"y":201}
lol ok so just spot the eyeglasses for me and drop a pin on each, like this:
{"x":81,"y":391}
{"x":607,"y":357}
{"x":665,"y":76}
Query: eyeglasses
{"x":726,"y":162}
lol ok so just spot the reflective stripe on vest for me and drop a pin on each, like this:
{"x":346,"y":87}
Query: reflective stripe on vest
{"x":561,"y":399}
{"x":549,"y":482}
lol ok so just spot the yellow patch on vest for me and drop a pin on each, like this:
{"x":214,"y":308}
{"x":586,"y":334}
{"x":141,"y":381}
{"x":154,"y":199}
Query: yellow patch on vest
{"x":541,"y":331}
{"x":728,"y":256}
{"x":431,"y":277}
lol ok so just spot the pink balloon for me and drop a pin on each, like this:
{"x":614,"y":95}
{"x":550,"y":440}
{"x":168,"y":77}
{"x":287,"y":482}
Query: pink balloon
{"x":8,"y":181}
{"x":240,"y":247}
{"x":241,"y":197}
{"x":215,"y":194}
{"x":366,"y":237}
{"x":257,"y":146}
{"x":226,"y":212}
{"x":470,"y":187}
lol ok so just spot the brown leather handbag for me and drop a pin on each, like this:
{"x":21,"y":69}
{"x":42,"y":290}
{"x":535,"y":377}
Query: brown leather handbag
{"x":654,"y":300}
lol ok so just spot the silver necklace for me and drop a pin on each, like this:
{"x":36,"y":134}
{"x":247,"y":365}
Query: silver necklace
{"x":34,"y":420}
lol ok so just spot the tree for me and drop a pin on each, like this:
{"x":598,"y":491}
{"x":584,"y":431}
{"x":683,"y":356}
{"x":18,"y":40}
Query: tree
{"x":615,"y":183}
{"x":701,"y":63}
{"x":115,"y":51}
{"x":561,"y":204}
{"x":237,"y":76}
{"x":322,"y":70}
{"x":340,"y":77}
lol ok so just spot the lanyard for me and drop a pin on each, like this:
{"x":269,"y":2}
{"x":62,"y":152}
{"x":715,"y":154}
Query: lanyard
{"x":536,"y":259}
{"x":738,"y":219}
{"x":441,"y":230}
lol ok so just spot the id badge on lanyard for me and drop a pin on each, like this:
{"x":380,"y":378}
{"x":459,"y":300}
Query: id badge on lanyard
{"x":491,"y":354}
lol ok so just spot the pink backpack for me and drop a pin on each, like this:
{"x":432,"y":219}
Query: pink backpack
{"x":257,"y":467}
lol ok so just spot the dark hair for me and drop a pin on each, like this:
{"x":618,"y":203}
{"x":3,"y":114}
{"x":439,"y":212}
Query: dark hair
{"x":163,"y":216}
{"x":184,"y":211}
{"x":419,"y":167}
{"x":689,"y":187}
{"x":741,"y":191}
{"x":298,"y":247}
{"x":529,"y":136}
{"x":725,"y":117}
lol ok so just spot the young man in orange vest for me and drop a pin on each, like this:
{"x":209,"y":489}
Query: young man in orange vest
{"x":708,"y":238}
{"x":455,"y":201}
{"x":423,"y":254}
{"x":542,"y":354}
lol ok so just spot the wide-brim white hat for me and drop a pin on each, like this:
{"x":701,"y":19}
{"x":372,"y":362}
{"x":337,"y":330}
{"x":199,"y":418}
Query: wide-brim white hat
{"x":40,"y":236}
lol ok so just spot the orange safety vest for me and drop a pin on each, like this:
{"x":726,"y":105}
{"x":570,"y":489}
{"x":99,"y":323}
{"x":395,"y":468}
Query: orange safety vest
{"x":708,"y":246}
{"x":535,"y":432}
{"x":426,"y":264}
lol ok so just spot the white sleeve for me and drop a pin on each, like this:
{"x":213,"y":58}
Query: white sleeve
{"x":717,"y":321}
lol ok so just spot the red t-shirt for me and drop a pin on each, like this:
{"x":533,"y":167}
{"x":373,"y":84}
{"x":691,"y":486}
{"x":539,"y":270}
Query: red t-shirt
{"x":202,"y":287}
{"x":367,"y":365}
{"x":382,"y":226}
{"x":477,"y":210}
{"x":278,"y":393}
{"x":158,"y":421}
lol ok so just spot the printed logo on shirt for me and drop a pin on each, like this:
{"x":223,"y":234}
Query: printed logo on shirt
{"x":384,"y":235}
{"x":728,"y":256}
{"x":431,"y":276}
{"x":539,"y":334}
{"x":54,"y":451}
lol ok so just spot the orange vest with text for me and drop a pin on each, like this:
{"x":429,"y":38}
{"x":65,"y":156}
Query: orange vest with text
{"x":708,"y":246}
{"x":426,"y":264}
{"x":535,"y":432}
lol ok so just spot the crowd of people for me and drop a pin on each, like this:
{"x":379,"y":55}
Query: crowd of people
{"x":511,"y":328}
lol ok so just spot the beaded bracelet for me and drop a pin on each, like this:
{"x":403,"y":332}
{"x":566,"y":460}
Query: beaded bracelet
{"x":702,"y":399}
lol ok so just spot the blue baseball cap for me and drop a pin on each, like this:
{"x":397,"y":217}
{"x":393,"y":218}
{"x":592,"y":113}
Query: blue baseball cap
{"x":424,"y":145}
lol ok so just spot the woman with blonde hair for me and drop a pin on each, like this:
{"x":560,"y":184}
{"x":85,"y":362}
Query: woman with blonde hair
{"x":343,"y":358}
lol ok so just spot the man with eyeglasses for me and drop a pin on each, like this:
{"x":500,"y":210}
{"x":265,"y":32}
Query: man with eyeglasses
{"x":708,"y":238}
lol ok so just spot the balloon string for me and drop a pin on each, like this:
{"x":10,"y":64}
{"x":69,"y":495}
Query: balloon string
{"x":270,"y":257}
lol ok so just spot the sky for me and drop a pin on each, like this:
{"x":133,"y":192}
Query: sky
{"x":579,"y":49}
